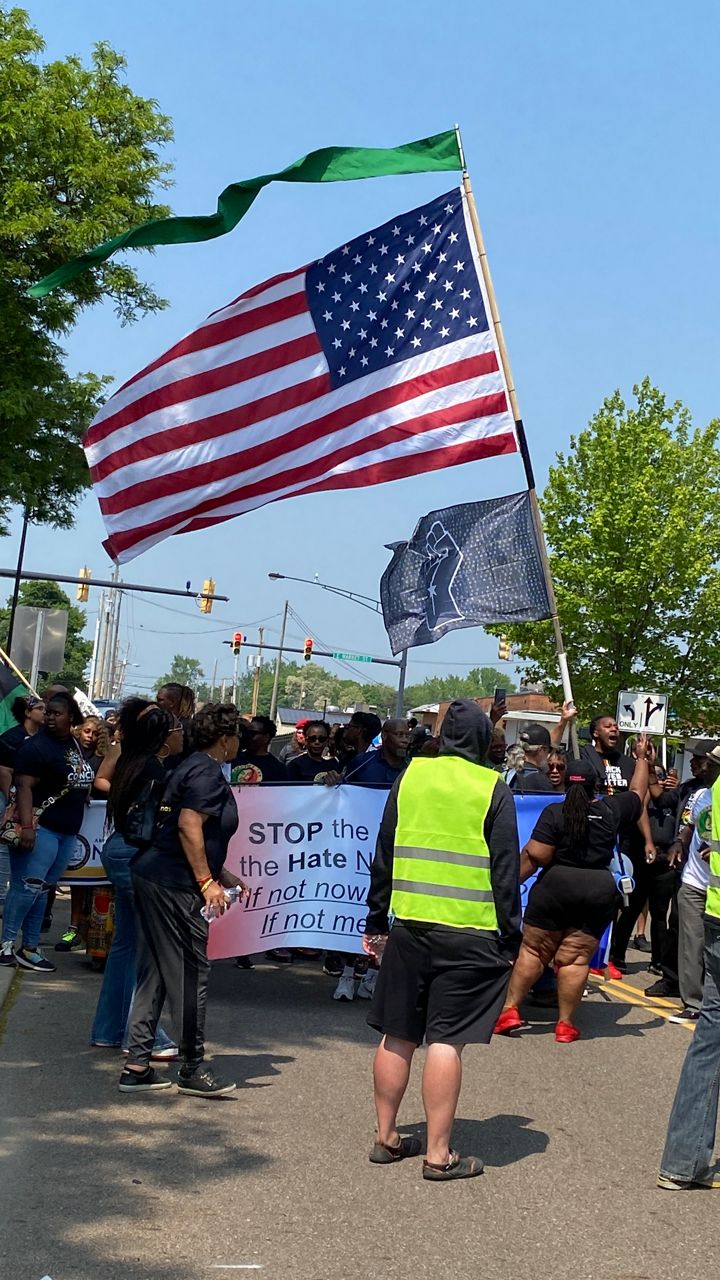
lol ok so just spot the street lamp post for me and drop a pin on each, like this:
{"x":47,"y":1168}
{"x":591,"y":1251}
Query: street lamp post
{"x":367,"y":602}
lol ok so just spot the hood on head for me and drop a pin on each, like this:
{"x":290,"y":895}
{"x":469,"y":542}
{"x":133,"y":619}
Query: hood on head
{"x":465,"y":731}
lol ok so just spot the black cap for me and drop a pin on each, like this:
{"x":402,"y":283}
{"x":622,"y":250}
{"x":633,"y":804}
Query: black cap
{"x":579,"y":771}
{"x":536,"y":735}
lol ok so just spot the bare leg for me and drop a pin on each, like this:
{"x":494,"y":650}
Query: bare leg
{"x":441,"y":1082}
{"x":391,"y":1072}
{"x":573,"y":961}
{"x":537,"y":950}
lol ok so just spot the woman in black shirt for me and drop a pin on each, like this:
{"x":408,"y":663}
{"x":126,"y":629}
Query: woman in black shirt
{"x":149,"y":736}
{"x":575,"y":897}
{"x":182,"y":870}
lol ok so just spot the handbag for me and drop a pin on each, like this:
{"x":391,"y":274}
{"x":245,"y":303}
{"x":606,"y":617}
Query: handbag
{"x":11,"y":829}
{"x":142,"y":814}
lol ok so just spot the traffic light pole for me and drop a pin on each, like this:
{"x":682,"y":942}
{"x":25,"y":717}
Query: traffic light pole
{"x":278,"y":660}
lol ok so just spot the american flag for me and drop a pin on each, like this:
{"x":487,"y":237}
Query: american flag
{"x":374,"y":363}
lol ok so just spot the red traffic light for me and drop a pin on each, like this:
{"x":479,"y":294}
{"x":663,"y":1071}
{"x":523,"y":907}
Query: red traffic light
{"x":237,"y":641}
{"x":308,"y":648}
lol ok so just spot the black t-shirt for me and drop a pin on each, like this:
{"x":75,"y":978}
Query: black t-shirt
{"x":613,"y":770}
{"x":606,"y":816}
{"x":57,"y":763}
{"x":198,"y":783}
{"x":248,"y":767}
{"x":9,"y":743}
{"x":304,"y":769}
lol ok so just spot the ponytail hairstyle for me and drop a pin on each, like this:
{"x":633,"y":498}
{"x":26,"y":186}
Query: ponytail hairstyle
{"x":144,"y":727}
{"x":580,"y":786}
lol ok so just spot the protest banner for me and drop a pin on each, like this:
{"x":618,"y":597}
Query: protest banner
{"x":85,"y":866}
{"x":305,"y":853}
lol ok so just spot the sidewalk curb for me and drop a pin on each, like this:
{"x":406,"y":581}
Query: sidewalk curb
{"x":8,"y":989}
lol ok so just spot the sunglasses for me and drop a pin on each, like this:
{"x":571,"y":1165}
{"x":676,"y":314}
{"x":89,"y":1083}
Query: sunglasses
{"x":316,"y":738}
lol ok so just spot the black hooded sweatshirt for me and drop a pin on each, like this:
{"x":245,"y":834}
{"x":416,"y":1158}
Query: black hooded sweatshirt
{"x":466,"y":733}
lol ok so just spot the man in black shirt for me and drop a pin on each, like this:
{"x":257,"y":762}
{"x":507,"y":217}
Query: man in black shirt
{"x":312,"y":762}
{"x":536,"y":743}
{"x":255,"y":763}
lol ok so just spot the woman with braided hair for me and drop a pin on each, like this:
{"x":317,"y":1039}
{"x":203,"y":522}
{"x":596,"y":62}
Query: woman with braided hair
{"x":575,"y":897}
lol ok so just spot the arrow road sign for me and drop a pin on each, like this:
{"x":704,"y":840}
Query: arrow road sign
{"x":642,"y":712}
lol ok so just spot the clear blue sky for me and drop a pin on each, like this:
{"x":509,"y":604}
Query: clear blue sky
{"x":591,"y":138}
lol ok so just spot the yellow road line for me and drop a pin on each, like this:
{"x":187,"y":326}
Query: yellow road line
{"x":629,"y":995}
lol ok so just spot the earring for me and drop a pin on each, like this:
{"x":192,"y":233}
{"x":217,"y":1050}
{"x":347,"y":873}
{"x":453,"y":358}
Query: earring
{"x":164,"y":752}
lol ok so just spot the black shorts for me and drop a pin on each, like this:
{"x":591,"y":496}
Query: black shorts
{"x":578,"y":898}
{"x":439,"y":984}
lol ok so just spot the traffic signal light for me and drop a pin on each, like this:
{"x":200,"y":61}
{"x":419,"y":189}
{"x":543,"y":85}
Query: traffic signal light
{"x":206,"y":599}
{"x":83,"y":590}
{"x":504,"y":649}
{"x":237,"y":642}
{"x":307,"y":651}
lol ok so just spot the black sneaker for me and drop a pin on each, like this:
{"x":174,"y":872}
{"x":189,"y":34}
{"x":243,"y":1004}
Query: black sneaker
{"x":244,"y":962}
{"x":72,"y":940}
{"x":7,"y":955}
{"x":142,"y":1081}
{"x":641,"y":943}
{"x":663,"y":988}
{"x":333,"y":965}
{"x":686,"y":1016}
{"x":203,"y":1083}
{"x":34,"y":960}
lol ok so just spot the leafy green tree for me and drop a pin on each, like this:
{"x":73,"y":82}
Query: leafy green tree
{"x":631,"y":516}
{"x":48,"y":595}
{"x":79,"y":159}
{"x":187,"y":671}
{"x":481,"y":682}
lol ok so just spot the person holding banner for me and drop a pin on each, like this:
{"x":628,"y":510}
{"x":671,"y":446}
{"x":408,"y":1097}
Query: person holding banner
{"x":447,"y":866}
{"x":180,"y":872}
{"x":575,"y":898}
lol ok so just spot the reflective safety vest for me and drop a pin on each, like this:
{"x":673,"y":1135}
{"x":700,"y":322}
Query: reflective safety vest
{"x":441,"y":865}
{"x":712,"y":902}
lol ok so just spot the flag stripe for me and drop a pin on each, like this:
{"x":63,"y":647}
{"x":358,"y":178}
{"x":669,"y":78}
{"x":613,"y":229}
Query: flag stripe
{"x":195,"y":468}
{"x":285,"y":421}
{"x":394,"y":438}
{"x":293,"y":361}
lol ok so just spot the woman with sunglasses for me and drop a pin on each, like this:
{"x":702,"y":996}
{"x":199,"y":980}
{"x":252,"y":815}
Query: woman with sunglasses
{"x":313,"y":761}
{"x":556,"y":766}
{"x":148,"y":737}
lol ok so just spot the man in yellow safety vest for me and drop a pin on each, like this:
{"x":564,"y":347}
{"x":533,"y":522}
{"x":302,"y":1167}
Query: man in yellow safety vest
{"x":687,"y":1161}
{"x":446,"y":867}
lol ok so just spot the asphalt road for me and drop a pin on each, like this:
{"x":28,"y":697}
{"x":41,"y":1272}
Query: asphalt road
{"x":96,"y":1186}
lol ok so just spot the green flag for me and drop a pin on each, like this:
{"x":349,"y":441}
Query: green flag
{"x":330,"y":164}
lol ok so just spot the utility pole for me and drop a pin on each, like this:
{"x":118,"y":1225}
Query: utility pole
{"x":276,"y":681}
{"x":214,"y":681}
{"x":258,"y":669}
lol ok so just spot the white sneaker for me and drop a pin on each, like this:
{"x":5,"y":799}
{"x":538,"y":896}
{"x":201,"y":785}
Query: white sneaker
{"x":7,"y":955}
{"x":345,"y":989}
{"x":366,"y":990}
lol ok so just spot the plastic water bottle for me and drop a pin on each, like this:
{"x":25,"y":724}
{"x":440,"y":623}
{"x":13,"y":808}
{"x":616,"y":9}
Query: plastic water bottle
{"x":209,"y":913}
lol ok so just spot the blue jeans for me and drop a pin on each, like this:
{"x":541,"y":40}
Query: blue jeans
{"x":31,"y":875}
{"x":4,"y":855}
{"x":690,"y":1138}
{"x":118,"y":988}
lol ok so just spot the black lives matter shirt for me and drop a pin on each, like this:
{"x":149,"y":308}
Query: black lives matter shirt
{"x":57,"y":764}
{"x":198,"y":783}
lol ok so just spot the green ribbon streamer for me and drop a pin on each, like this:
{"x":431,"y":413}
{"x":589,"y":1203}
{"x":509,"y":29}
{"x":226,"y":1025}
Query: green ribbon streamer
{"x":330,"y":164}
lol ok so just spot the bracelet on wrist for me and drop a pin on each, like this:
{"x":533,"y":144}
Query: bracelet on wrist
{"x":206,"y":884}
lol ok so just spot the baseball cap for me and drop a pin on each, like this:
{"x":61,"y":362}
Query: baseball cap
{"x":579,"y":771}
{"x":536,"y":735}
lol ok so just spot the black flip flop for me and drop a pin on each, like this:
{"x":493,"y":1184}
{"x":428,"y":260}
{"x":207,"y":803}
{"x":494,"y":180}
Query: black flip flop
{"x":383,"y":1154}
{"x":457,"y":1167}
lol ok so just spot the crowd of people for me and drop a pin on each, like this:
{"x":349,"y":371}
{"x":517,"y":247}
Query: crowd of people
{"x":459,"y":961}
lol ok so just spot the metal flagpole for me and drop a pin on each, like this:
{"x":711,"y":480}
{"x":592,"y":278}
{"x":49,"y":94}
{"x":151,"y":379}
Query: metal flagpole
{"x":522,"y":440}
{"x":258,"y":668}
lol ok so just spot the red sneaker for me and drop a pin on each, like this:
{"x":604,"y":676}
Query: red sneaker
{"x":614,"y":972}
{"x":565,"y":1033}
{"x":508,"y":1022}
{"x":598,"y":973}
